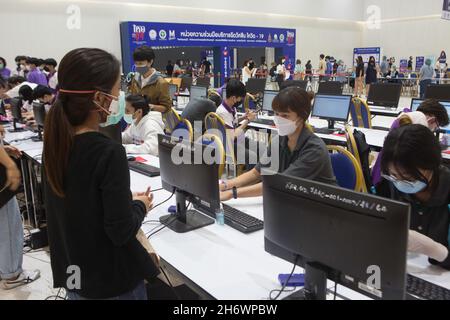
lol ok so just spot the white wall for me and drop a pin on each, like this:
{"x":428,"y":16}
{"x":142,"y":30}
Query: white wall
{"x":38,"y":27}
{"x":409,"y":28}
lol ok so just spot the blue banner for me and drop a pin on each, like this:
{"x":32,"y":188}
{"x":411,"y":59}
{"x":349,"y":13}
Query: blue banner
{"x":446,"y":10}
{"x":222,"y":38}
{"x":420,"y":61}
{"x":366,"y":53}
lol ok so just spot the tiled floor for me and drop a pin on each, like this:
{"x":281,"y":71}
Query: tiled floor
{"x":41,"y":288}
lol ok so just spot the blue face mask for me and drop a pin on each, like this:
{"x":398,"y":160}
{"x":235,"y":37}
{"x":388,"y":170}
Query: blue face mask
{"x":128,"y":118}
{"x":407,"y":187}
{"x":116,"y":110}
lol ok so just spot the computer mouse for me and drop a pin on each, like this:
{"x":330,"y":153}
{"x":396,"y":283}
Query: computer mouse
{"x":131,"y":159}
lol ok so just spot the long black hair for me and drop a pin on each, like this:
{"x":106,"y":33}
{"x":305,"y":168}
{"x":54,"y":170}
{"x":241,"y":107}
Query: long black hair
{"x":81,"y":69}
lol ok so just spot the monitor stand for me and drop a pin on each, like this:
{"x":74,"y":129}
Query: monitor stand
{"x":316,"y":277}
{"x":330,"y":130}
{"x":15,"y":127}
{"x":185,"y":220}
{"x":39,"y":136}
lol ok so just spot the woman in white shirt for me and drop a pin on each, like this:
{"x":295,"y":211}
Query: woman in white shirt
{"x":141,"y":137}
{"x":247,"y":72}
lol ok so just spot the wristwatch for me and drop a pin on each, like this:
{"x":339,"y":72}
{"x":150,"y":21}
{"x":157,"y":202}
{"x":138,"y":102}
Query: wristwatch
{"x":235,"y":193}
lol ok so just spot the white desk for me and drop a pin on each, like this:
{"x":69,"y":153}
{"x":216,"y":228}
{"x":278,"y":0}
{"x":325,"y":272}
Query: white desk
{"x":226,"y":263}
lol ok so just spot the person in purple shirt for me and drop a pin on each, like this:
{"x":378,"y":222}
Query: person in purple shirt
{"x":35,"y":75}
{"x":5,"y":73}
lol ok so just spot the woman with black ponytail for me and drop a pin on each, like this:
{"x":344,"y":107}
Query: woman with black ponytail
{"x":93,"y":218}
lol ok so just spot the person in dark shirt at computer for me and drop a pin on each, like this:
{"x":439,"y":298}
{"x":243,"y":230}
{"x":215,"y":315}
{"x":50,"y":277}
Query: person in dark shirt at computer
{"x":93,"y":218}
{"x":412,"y":163}
{"x":301,"y":153}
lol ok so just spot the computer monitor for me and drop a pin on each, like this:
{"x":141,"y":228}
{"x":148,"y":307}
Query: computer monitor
{"x":267,"y":100}
{"x":2,"y":108}
{"x":203,"y":82}
{"x":358,"y":240}
{"x":255,"y":86}
{"x":438,"y":91}
{"x":198,"y":92}
{"x":113,"y":132}
{"x":186,"y":172}
{"x":173,"y":90}
{"x":415,"y":104}
{"x":331,"y":88}
{"x":332,"y":108}
{"x":39,"y":117}
{"x":294,"y":83}
{"x":16,"y":111}
{"x":384,"y":94}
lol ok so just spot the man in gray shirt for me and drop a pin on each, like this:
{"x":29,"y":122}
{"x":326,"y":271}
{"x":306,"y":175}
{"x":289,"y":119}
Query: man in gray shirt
{"x":425,"y":77}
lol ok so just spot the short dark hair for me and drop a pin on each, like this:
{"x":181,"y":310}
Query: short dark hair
{"x":294,"y":99}
{"x":433,"y":108}
{"x":139,"y":102}
{"x":411,"y":148}
{"x":40,"y":91}
{"x":51,"y":62}
{"x":26,"y":93}
{"x":144,"y":53}
{"x":3,"y":60}
{"x":322,"y":56}
{"x":215,"y":97}
{"x":31,"y":60}
{"x":18,"y":58}
{"x":15,"y":80}
{"x":236,"y":88}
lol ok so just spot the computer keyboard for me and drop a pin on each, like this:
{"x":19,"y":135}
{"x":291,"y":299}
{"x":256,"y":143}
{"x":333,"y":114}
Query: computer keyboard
{"x":144,"y":169}
{"x":417,"y":288}
{"x":325,"y":131}
{"x":267,"y":122}
{"x":241,"y":221}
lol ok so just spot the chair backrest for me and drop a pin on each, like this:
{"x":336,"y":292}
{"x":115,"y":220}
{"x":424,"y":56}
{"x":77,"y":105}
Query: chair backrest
{"x":171,"y":119}
{"x":360,"y":113}
{"x":215,"y":142}
{"x":204,"y":82}
{"x":414,"y":75}
{"x":176,"y":81}
{"x":249,"y":102}
{"x":357,"y":145}
{"x":351,"y":142}
{"x":186,"y":83}
{"x":346,"y":169}
{"x":183,"y":131}
{"x":214,"y":124}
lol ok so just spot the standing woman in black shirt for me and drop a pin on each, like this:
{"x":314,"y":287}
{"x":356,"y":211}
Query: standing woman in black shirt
{"x":371,"y":74}
{"x":93,"y":218}
{"x":412,"y":163}
{"x":359,"y":76}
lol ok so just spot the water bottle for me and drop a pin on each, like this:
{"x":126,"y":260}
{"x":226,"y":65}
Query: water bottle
{"x":220,"y":216}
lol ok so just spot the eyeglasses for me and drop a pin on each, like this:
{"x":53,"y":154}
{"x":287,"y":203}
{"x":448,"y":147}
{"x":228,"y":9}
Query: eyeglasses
{"x":394,"y":180}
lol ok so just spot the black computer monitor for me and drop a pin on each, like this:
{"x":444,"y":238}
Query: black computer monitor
{"x":294,"y":83}
{"x":255,"y":86}
{"x":385,"y":95}
{"x":186,"y":172}
{"x":267,"y":100}
{"x":173,"y":90}
{"x":332,"y":108}
{"x":203,"y":82}
{"x":334,"y":88}
{"x":113,"y":132}
{"x":39,"y":117}
{"x":438,"y":91}
{"x":16,"y":112}
{"x":198,"y":92}
{"x":415,"y":104}
{"x":2,"y":108}
{"x":337,"y":234}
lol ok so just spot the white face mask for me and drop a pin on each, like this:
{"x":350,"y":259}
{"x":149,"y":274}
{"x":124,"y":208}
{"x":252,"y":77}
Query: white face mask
{"x":285,"y":127}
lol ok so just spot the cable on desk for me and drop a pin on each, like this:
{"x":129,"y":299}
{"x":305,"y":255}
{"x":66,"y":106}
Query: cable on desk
{"x":174,"y":218}
{"x":285,"y":284}
{"x":160,"y":204}
{"x":57,"y":296}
